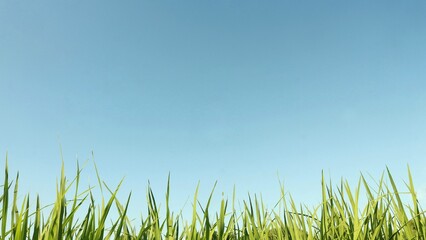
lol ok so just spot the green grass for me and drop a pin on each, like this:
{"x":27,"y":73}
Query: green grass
{"x":339,"y":216}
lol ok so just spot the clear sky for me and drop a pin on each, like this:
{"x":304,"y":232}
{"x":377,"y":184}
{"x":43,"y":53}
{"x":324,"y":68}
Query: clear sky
{"x":226,"y":90}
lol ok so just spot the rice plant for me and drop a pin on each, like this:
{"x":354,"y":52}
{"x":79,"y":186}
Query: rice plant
{"x":339,"y":216}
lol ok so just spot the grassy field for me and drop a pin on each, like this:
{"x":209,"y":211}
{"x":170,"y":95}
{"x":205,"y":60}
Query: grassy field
{"x":340,"y":216}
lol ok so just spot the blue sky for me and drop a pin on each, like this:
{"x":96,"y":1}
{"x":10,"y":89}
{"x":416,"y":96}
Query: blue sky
{"x":233,"y":91}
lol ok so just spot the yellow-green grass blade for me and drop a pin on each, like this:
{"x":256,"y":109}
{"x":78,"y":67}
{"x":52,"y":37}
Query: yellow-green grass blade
{"x":191,"y":232}
{"x":36,"y":227}
{"x":14,"y":213}
{"x":22,"y":221}
{"x":122,"y":218}
{"x":99,"y":233}
{"x":416,"y":212}
{"x":5,"y":200}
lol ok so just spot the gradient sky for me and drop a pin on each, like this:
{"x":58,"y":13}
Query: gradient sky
{"x":234,"y":91}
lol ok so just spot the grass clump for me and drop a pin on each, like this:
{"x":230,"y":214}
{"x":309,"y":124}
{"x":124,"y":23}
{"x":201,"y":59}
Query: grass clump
{"x":339,"y":216}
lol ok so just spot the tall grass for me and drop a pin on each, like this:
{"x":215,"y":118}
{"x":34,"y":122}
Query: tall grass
{"x":339,"y":216}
